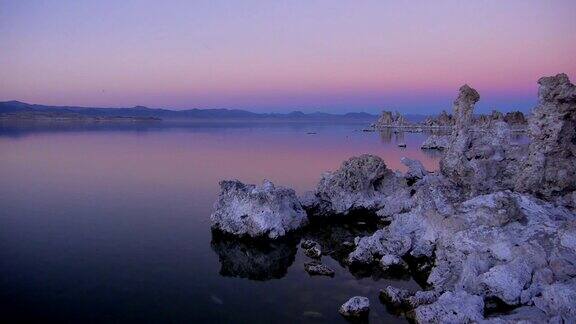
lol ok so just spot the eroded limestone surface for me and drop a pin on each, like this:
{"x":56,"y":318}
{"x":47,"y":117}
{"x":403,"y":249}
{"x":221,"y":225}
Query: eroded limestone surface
{"x":257,"y":211}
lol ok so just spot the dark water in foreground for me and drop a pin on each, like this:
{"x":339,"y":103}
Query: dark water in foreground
{"x":111,"y":223}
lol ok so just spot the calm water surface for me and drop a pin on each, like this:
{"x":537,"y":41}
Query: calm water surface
{"x":103,"y":223}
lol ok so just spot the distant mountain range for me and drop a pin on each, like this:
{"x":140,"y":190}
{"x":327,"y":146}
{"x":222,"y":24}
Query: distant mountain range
{"x":21,"y":110}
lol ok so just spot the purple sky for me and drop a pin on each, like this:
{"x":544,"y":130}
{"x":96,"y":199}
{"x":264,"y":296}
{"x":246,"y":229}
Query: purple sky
{"x":311,"y":55}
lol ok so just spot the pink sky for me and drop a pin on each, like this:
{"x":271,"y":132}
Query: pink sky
{"x":322,"y":55}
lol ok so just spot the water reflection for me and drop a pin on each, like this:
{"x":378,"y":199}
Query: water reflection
{"x":254,"y":260}
{"x":266,"y":260}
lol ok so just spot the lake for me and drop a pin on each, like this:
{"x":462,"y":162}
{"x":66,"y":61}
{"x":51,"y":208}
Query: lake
{"x":110,"y":223}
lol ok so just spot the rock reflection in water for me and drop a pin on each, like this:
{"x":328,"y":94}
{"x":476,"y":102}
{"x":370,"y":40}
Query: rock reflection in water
{"x":337,"y":241}
{"x":265,"y":260}
{"x":253,"y":259}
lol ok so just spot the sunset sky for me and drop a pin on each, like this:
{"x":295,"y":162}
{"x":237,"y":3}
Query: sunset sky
{"x":312,"y":55}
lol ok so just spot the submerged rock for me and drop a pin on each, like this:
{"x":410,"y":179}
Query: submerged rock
{"x":357,"y":306}
{"x":257,"y":211}
{"x":316,"y":268}
{"x":361,"y":183}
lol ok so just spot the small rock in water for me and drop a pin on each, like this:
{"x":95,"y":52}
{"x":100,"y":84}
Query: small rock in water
{"x":313,"y":314}
{"x":355,"y":307}
{"x":313,"y":252}
{"x":263,"y":211}
{"x":306,"y":244}
{"x":316,"y":268}
{"x":401,"y":144}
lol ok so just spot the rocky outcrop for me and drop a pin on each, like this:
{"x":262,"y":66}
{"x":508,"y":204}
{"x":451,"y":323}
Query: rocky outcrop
{"x":487,"y":241}
{"x":486,"y":120}
{"x":416,"y":170}
{"x":483,"y":159}
{"x":502,"y":245}
{"x":318,"y":269}
{"x":464,"y":107}
{"x":436,"y":142}
{"x":442,"y":120}
{"x":361,"y":183}
{"x":452,"y":307}
{"x":549,"y":171}
{"x":357,"y":306}
{"x":257,"y":211}
{"x":391,"y":119}
{"x":515,"y":118}
{"x":497,"y":223}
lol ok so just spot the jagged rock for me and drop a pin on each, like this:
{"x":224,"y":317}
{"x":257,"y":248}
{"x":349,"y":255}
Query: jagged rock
{"x":487,"y":120}
{"x":316,"y":268}
{"x":399,"y":297}
{"x":355,"y":307}
{"x":515,"y":118}
{"x":442,"y":120}
{"x":389,"y":119}
{"x":484,"y":160}
{"x":390,"y":261}
{"x":395,"y":296}
{"x":257,"y":211}
{"x":464,"y":107}
{"x":521,"y":315}
{"x":307,"y":244}
{"x":452,"y":307}
{"x":254,"y":260}
{"x":549,"y":172}
{"x":416,"y":170}
{"x":558,"y":300}
{"x":361,"y":183}
{"x":313,"y":252}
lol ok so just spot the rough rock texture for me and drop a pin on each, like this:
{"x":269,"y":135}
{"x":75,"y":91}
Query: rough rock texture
{"x":361,"y":183}
{"x":442,"y":120}
{"x":497,"y":224}
{"x":355,"y":307}
{"x":316,"y":268}
{"x":257,"y":211}
{"x":389,"y":261}
{"x":549,"y":171}
{"x":464,"y":107}
{"x":486,"y":120}
{"x":436,"y":142}
{"x":481,"y":160}
{"x":416,"y":170}
{"x":452,"y":307}
{"x":390,"y":119}
{"x":515,"y":118}
{"x":313,"y":252}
